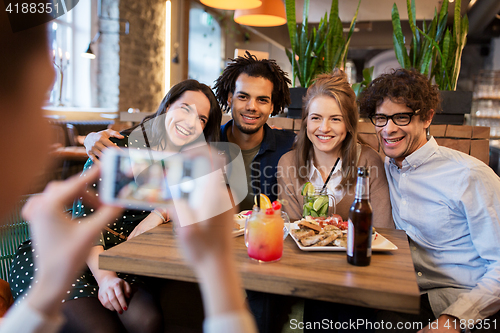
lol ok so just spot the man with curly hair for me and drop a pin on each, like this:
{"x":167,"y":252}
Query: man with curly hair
{"x":447,"y":202}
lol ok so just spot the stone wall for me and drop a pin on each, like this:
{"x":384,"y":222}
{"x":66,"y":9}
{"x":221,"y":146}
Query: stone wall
{"x":108,"y":56}
{"x":142,"y":55}
{"x":131,"y":67}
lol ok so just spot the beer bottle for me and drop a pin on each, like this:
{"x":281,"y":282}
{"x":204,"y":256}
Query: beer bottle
{"x":359,"y":233}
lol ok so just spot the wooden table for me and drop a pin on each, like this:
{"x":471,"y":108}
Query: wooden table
{"x":388,"y":283}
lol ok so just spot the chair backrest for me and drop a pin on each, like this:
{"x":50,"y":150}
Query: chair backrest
{"x":72,"y":134}
{"x":278,"y":122}
{"x":13,"y":232}
{"x":471,"y":140}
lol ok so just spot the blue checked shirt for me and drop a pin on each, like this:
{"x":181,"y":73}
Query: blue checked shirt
{"x":449,"y":205}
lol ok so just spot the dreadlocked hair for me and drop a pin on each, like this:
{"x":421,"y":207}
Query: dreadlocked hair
{"x":248,"y":64}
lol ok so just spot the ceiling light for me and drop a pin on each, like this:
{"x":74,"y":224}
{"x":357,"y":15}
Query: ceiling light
{"x":232,"y":4}
{"x":270,"y":14}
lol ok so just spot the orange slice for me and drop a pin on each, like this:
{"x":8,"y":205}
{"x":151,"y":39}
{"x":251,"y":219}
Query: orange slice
{"x":265,"y":203}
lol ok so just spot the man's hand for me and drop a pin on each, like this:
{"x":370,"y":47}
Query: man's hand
{"x":96,"y":143}
{"x":443,"y":324}
{"x":113,"y":293}
{"x":62,"y":245}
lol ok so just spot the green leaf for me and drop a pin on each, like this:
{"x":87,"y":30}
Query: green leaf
{"x":368,"y":74}
{"x":398,"y":39}
{"x":462,"y":38}
{"x":446,"y":47}
{"x":357,"y":89}
{"x":290,"y":20}
{"x":436,"y":45}
{"x":305,"y":14}
{"x":334,"y":10}
{"x":410,"y":6}
{"x":443,"y":12}
{"x":456,"y":19}
{"x":349,"y":35}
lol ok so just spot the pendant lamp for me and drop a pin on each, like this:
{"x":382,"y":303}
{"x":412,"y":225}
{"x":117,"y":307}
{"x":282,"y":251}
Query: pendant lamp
{"x":232,"y":4}
{"x":271,"y":13}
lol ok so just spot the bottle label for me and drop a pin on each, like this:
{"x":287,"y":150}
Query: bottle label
{"x":350,"y":239}
{"x":369,"y":249}
{"x":362,"y":188}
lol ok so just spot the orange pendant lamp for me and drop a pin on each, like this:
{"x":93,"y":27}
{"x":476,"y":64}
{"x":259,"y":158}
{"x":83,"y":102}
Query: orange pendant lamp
{"x":232,"y":4}
{"x":270,"y":14}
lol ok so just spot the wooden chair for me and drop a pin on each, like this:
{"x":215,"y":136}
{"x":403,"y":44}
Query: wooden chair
{"x":13,"y":232}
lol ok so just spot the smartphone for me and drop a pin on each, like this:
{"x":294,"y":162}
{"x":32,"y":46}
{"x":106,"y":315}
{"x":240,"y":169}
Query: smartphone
{"x":145,"y":179}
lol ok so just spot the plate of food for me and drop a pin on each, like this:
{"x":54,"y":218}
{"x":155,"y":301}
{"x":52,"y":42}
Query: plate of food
{"x":239,"y":222}
{"x":320,"y":234}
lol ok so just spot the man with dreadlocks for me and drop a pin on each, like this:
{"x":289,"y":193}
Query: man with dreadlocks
{"x":253,"y":90}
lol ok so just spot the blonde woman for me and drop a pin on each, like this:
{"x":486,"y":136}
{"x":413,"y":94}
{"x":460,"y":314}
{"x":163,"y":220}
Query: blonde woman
{"x":329,"y":131}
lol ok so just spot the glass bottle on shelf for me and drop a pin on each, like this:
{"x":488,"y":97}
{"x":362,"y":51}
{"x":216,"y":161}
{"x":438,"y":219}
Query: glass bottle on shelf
{"x":486,"y":102}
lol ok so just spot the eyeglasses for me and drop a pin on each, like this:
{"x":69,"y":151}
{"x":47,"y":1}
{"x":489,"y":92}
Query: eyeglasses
{"x":400,"y":119}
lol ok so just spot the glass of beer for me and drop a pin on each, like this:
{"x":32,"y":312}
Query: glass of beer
{"x":265,"y":231}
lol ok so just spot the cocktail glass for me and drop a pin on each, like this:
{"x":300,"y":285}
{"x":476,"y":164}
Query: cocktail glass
{"x":265,"y":231}
{"x":317,"y":204}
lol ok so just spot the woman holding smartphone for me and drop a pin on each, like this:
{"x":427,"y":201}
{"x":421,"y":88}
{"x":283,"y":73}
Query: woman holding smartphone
{"x":101,"y":300}
{"x":329,"y":132}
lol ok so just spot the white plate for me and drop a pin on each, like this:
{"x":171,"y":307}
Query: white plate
{"x":240,"y":219}
{"x":379,"y":243}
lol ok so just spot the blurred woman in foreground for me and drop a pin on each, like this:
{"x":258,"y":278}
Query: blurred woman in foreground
{"x":62,"y":245}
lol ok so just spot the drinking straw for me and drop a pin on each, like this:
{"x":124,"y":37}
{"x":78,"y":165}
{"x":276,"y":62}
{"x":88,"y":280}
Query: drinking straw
{"x":330,"y":175}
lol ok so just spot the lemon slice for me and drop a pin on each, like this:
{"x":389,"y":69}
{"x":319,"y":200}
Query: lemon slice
{"x":323,"y":211}
{"x":307,"y":189}
{"x":265,"y":203}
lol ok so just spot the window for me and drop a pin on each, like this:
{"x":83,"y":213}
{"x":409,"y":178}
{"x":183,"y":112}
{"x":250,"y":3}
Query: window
{"x":204,"y":56}
{"x":69,"y":36}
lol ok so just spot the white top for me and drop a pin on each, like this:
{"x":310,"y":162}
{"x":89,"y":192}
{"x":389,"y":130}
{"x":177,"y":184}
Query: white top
{"x":316,"y":179}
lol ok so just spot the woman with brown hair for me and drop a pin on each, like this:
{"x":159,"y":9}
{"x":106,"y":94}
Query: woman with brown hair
{"x":329,"y":132}
{"x":101,"y":300}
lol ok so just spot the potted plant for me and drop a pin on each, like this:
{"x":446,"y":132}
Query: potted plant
{"x":367,"y":78}
{"x":435,"y":50}
{"x":316,"y":51}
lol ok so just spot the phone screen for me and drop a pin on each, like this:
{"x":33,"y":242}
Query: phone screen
{"x":141,"y":179}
